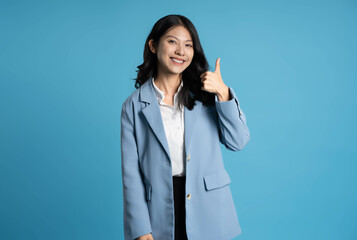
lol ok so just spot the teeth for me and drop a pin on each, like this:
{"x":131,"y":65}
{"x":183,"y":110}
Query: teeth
{"x":176,"y":60}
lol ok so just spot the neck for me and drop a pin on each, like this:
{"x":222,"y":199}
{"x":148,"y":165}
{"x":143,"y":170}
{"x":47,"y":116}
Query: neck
{"x":169,"y":83}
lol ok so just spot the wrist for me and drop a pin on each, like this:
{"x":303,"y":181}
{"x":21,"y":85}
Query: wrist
{"x":223,"y":93}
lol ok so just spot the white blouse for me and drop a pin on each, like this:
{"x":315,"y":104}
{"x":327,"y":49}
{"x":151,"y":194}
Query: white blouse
{"x":173,"y":119}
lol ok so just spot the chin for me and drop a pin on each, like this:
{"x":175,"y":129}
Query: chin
{"x":177,"y":72}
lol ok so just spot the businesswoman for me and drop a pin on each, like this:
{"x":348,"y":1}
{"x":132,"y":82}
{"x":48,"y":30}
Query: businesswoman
{"x":175,"y":186}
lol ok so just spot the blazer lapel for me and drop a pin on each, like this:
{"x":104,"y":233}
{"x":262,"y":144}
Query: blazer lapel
{"x":152,"y":114}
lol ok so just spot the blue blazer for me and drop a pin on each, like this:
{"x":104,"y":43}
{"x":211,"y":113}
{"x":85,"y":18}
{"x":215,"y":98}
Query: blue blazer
{"x":147,"y":174}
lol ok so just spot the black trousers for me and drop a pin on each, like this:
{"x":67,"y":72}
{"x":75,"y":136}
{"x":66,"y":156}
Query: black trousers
{"x":179,"y":183}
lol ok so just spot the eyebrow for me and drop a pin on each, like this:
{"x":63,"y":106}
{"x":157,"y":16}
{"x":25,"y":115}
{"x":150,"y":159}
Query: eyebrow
{"x":177,"y":38}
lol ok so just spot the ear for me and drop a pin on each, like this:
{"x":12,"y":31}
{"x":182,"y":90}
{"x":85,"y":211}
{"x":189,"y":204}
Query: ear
{"x":151,"y":44}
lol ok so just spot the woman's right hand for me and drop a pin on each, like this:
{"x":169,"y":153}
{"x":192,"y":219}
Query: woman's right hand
{"x":145,"y":237}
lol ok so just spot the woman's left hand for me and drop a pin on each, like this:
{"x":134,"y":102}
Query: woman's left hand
{"x":213,"y":82}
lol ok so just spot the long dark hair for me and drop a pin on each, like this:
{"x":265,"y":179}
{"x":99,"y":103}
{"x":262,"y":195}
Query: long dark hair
{"x":191,"y":75}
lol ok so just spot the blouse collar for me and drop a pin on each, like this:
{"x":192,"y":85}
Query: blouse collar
{"x":161,"y":95}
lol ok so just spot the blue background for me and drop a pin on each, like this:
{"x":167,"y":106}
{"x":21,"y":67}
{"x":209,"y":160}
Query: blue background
{"x":66,"y":68}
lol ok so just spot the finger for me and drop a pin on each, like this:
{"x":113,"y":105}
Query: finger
{"x":204,"y":74}
{"x":205,"y":89}
{"x":204,"y":79}
{"x":218,"y":65}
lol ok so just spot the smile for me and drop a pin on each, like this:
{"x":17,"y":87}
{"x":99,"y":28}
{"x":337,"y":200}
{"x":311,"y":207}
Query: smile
{"x":177,"y":61}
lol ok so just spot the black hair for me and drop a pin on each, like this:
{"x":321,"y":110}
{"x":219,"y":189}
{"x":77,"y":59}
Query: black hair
{"x":191,"y":75}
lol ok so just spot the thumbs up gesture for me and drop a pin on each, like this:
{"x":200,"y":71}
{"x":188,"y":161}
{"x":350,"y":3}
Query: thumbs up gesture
{"x":212,"y":82}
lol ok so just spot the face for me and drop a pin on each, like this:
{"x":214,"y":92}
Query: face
{"x":174,"y":51}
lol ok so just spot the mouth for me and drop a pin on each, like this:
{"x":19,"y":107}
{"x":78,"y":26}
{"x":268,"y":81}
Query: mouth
{"x":177,"y":61}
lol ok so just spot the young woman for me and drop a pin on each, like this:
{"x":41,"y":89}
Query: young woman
{"x":175,"y":186}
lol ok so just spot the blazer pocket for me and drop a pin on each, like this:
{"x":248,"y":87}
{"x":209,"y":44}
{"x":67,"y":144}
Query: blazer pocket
{"x":217,"y":180}
{"x":148,"y":192}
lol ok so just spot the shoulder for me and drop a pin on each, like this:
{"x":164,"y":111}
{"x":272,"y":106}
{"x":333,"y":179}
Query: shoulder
{"x":131,"y":100}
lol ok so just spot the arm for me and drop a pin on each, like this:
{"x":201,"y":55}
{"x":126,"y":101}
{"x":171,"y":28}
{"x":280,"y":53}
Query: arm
{"x":233,"y":130}
{"x":136,"y":215}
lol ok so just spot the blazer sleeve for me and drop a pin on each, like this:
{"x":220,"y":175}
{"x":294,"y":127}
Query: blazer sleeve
{"x":136,"y":215}
{"x":233,"y":130}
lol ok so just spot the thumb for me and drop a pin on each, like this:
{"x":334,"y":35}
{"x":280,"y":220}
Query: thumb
{"x":218,"y":65}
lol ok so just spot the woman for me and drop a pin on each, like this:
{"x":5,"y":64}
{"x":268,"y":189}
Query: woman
{"x":175,"y":185}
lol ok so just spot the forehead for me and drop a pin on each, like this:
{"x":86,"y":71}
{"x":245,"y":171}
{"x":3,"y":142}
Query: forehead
{"x":178,"y":32}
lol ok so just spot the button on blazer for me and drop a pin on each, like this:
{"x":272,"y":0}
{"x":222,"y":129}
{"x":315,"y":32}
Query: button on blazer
{"x":147,"y":174}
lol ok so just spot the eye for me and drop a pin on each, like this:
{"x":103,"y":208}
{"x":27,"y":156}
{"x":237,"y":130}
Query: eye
{"x":189,"y":45}
{"x":171,"y":41}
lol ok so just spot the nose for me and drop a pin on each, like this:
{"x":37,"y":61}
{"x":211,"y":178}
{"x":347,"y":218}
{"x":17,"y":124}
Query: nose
{"x":180,"y":50}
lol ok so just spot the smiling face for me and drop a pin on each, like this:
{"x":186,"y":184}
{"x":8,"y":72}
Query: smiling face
{"x":174,"y":51}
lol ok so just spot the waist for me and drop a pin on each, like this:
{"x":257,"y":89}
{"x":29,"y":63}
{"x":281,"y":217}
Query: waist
{"x":179,"y":176}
